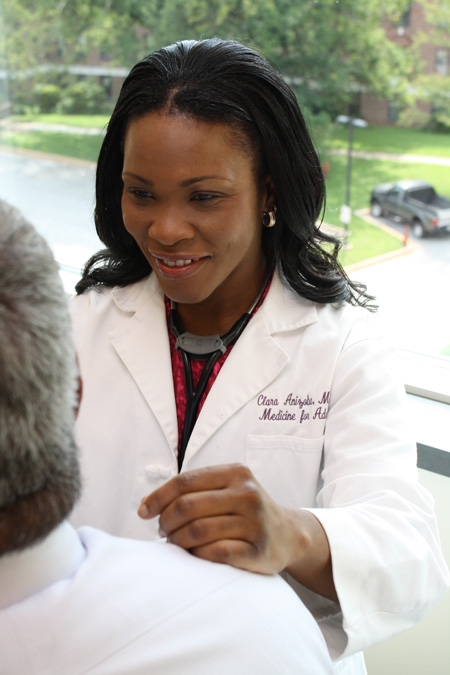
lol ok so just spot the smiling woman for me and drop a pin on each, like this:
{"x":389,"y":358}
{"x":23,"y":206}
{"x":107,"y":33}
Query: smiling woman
{"x":237,"y":397}
{"x":192,"y":205}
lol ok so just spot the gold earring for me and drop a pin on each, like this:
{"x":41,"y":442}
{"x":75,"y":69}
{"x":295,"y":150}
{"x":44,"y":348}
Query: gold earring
{"x":269,"y":219}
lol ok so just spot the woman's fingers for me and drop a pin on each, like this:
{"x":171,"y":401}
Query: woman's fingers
{"x":209,"y":530}
{"x":232,"y":552}
{"x":222,"y":514}
{"x":190,"y":482}
{"x":197,"y":506}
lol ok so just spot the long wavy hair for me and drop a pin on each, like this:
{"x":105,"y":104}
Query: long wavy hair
{"x":224,"y":81}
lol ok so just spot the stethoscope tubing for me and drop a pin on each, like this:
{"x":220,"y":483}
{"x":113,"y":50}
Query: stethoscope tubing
{"x":194,"y":395}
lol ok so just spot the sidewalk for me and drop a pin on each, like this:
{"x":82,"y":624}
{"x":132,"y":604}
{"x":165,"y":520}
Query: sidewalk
{"x":394,"y":157}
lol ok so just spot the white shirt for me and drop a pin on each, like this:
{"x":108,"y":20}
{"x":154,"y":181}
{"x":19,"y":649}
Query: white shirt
{"x":309,"y":400}
{"x":90,"y":603}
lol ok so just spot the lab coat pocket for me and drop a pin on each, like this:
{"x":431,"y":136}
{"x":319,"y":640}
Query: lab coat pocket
{"x":287,"y":467}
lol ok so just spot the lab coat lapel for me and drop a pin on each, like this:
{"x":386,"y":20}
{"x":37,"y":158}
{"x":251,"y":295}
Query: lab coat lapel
{"x":143,"y":345}
{"x":254,"y":362}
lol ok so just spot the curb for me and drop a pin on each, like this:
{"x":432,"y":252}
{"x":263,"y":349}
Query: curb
{"x":409,"y":248}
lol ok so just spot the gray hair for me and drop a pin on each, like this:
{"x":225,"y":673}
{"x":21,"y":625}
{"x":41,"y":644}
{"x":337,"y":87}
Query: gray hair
{"x":39,"y":472}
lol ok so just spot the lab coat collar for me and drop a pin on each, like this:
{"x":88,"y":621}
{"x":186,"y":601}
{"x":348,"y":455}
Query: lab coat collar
{"x":283,"y":310}
{"x":131,"y":298}
{"x":26,"y":572}
{"x":142,"y":342}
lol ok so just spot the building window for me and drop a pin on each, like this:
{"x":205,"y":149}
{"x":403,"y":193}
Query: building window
{"x":405,"y":20}
{"x":106,"y":83}
{"x":442,"y":60}
{"x":393,"y":112}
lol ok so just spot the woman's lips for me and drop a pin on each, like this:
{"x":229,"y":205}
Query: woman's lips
{"x":178,"y":267}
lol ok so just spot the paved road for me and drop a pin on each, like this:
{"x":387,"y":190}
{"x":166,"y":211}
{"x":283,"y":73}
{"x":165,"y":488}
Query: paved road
{"x":413,"y":290}
{"x":57,"y":197}
{"x":438,"y":246}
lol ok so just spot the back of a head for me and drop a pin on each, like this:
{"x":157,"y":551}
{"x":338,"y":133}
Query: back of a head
{"x":39,"y":474}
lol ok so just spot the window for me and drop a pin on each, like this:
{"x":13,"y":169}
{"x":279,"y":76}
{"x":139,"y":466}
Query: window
{"x":57,"y":194}
{"x":442,"y":60}
{"x":393,"y":112}
{"x":403,"y":22}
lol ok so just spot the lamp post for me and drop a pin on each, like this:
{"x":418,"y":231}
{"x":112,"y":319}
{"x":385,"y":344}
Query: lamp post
{"x":346,"y":211}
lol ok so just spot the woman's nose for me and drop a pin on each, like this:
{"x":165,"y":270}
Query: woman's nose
{"x":169,"y":226}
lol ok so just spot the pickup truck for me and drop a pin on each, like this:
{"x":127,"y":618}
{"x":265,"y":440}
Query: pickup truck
{"x":414,"y":202}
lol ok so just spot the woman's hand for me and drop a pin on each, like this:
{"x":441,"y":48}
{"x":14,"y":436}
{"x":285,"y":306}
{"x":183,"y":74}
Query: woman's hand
{"x":224,"y":515}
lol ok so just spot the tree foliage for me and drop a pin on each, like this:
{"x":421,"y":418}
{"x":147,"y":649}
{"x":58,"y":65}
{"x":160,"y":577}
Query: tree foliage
{"x":432,"y":88}
{"x":328,"y":49}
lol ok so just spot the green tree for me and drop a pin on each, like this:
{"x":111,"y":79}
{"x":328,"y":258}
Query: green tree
{"x":434,"y":88}
{"x":328,"y":49}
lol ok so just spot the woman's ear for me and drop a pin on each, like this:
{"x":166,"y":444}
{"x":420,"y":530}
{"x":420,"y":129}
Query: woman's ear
{"x":269,"y":198}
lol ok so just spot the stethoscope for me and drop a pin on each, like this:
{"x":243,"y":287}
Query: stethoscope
{"x":207,"y":348}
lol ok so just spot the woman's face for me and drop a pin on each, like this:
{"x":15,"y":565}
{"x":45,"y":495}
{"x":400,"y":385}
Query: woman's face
{"x":191,"y":202}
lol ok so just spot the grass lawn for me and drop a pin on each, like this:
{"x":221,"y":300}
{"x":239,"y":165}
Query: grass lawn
{"x":80,"y":146}
{"x":93,"y":121}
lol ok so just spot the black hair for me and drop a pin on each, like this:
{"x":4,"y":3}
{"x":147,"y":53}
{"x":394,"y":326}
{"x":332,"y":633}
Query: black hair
{"x":224,"y":81}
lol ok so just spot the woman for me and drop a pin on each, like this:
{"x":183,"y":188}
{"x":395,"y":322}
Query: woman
{"x":219,"y":337}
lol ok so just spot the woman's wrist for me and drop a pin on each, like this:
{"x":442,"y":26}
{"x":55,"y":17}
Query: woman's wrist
{"x":309,"y":553}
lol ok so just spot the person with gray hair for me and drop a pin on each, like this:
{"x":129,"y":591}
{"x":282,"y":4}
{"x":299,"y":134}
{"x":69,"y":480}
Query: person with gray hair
{"x":84,"y":601}
{"x":39,"y":479}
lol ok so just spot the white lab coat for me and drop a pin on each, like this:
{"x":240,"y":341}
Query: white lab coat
{"x":308,"y":399}
{"x":84,"y":603}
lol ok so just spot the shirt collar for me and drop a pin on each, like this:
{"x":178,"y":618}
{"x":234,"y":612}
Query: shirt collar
{"x":28,"y":571}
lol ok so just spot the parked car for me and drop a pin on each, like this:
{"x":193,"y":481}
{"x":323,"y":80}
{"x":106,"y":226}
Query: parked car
{"x":414,"y":202}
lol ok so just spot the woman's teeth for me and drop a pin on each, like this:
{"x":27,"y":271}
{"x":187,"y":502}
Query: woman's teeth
{"x":178,"y":263}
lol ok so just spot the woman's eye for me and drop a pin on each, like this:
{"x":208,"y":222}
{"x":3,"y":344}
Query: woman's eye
{"x":140,"y":194}
{"x":205,"y":196}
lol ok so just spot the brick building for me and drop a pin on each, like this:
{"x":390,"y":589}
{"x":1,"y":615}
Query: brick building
{"x":412,"y":27}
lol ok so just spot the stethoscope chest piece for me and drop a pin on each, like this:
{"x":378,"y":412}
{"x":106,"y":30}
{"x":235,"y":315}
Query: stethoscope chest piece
{"x":199,"y":346}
